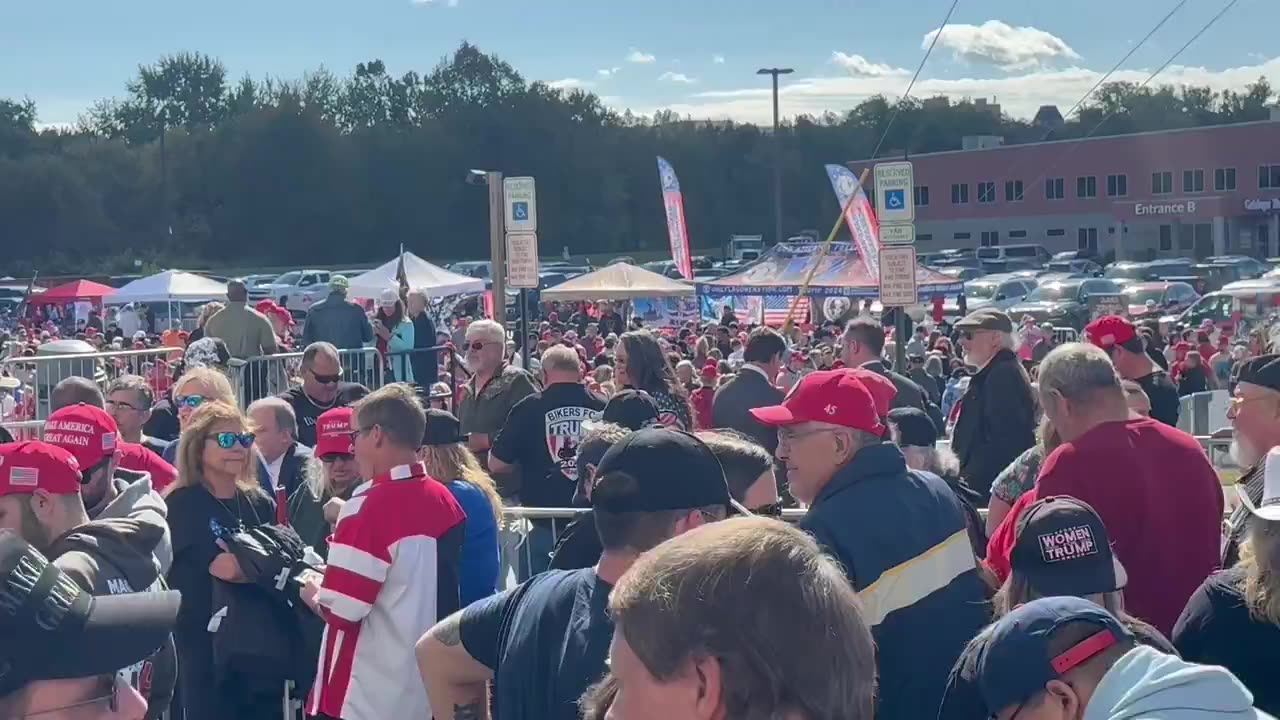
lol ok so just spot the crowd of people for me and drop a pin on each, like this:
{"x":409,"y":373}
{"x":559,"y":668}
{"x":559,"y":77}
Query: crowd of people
{"x":365,"y":546}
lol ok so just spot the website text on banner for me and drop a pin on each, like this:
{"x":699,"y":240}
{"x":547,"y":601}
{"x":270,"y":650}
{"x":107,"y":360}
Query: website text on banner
{"x":677,"y":229}
{"x":862,"y":221}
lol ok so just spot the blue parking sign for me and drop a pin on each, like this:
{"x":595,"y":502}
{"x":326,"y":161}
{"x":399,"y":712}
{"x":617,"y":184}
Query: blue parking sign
{"x":895,"y":199}
{"x":520,"y":210}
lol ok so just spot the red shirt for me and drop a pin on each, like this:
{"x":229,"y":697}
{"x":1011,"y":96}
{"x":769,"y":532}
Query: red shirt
{"x":1160,"y":499}
{"x":139,"y":459}
{"x":701,"y":400}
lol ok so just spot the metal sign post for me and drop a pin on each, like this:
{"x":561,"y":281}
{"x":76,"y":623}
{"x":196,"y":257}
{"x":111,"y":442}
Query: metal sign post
{"x":520,"y":200}
{"x":896,"y":212}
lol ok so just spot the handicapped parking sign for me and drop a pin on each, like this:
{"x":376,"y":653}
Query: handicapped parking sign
{"x":895,"y":199}
{"x":520,"y":210}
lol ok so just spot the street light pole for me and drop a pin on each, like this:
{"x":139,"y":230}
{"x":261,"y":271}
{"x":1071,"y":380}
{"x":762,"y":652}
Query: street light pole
{"x":777,"y":152}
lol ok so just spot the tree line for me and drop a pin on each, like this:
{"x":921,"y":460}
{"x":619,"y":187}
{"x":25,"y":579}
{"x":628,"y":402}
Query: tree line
{"x":189,"y":167}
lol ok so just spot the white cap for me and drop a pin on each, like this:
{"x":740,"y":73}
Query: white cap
{"x":389,"y":297}
{"x":1269,"y":508}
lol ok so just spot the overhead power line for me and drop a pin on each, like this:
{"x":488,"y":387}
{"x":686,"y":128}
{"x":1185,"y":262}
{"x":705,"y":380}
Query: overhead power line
{"x":898,"y":108}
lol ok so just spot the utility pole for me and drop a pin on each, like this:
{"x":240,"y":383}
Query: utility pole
{"x":777,"y":152}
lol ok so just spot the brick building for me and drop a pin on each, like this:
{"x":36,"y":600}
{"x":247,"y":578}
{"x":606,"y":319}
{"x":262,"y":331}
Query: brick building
{"x":1176,"y":193}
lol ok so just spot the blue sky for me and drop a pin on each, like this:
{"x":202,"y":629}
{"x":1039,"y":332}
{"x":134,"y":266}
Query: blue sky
{"x":694,"y":56}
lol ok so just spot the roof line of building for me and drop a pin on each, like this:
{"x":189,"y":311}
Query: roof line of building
{"x":1044,"y":143}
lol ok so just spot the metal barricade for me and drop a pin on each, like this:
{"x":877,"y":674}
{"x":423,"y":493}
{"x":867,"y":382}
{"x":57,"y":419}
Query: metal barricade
{"x":39,"y":374}
{"x":25,"y":429}
{"x":268,"y":375}
{"x":411,"y":365}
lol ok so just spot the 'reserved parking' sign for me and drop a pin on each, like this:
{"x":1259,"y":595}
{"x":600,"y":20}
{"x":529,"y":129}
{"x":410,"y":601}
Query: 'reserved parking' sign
{"x":894,"y":201}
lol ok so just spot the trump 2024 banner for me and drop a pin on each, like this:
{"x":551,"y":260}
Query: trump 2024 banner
{"x":673,"y":203}
{"x":858,"y":216}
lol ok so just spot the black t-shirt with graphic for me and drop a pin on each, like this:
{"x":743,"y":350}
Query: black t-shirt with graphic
{"x":541,"y":435}
{"x":1163,"y":395}
{"x":308,"y":412}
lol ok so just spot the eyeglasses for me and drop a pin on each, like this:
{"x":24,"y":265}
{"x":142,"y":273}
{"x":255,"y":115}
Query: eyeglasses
{"x":479,"y":345}
{"x":113,"y":404}
{"x":190,"y":401}
{"x":111,"y":700}
{"x":326,"y":379}
{"x":786,"y":437}
{"x":228,"y":440}
{"x":773,"y":510}
{"x":1234,"y":403}
{"x":353,"y":434}
{"x":335,"y":457}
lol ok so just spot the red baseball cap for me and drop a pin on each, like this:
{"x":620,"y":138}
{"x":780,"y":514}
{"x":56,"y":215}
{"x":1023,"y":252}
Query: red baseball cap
{"x":85,"y":431}
{"x":36,"y":465}
{"x":1110,"y":330}
{"x":333,"y":433}
{"x":837,"y":397}
{"x":882,"y":389}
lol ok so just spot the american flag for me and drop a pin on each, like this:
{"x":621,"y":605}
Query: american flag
{"x":776,"y":308}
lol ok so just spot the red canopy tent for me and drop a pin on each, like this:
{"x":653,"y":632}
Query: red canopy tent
{"x":73,"y":291}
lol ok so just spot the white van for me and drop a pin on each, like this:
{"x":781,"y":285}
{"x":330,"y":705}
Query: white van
{"x":1032,"y":254}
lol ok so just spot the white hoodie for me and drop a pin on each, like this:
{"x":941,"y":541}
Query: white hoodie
{"x":136,"y":499}
{"x":1146,"y":684}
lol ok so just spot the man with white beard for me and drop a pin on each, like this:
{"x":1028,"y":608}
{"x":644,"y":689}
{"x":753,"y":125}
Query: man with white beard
{"x":1254,"y":413}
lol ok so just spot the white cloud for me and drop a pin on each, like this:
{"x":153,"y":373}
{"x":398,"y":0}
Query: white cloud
{"x":1019,"y":95}
{"x":1002,"y":45}
{"x":859,"y":66}
{"x":677,"y":78}
{"x":569,"y":84}
{"x":607,"y":72}
{"x":717,"y":59}
{"x":642,"y":58}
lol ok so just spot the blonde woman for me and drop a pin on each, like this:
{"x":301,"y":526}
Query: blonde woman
{"x":444,"y":452}
{"x":216,"y":492}
{"x":332,"y":475}
{"x":1233,"y":619}
{"x":195,"y":388}
{"x":207,"y":311}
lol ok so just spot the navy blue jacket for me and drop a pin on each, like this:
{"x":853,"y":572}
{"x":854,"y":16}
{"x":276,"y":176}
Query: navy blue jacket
{"x":902,"y":538}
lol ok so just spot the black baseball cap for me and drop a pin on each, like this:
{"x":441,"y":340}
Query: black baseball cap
{"x":1010,"y":662}
{"x":632,"y":409}
{"x":1062,"y":548}
{"x":54,"y":630}
{"x":442,"y":429}
{"x":658,"y":468}
{"x":915,"y":428}
{"x":1262,"y":370}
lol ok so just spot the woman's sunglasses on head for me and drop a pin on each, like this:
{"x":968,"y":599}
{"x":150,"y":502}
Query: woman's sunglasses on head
{"x":228,"y":440}
{"x":190,"y":401}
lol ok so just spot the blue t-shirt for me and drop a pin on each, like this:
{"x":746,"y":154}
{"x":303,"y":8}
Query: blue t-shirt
{"x":546,"y":641}
{"x":479,"y":543}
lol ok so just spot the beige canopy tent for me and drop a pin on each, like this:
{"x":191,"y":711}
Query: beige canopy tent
{"x":618,"y":281}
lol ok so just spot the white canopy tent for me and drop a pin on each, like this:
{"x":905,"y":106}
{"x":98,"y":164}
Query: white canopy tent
{"x":618,"y":281}
{"x":432,"y":280}
{"x":170,"y":286}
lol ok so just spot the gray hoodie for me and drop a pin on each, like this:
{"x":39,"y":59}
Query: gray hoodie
{"x":1146,"y":684}
{"x":137,"y":500}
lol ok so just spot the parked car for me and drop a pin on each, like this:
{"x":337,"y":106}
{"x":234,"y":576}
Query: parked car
{"x":1161,"y":297}
{"x":1075,"y":265}
{"x":297,"y":290}
{"x":1065,"y":303}
{"x":472,"y":268}
{"x":1250,"y":267}
{"x":961,"y":272}
{"x":995,"y":291}
{"x":1208,"y":277}
{"x":1128,"y":270}
{"x":1036,"y":254}
{"x":1241,"y":305}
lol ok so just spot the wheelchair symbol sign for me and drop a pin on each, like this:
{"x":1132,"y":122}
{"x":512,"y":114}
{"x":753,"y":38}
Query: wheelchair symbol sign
{"x":520,"y":210}
{"x":895,"y":199}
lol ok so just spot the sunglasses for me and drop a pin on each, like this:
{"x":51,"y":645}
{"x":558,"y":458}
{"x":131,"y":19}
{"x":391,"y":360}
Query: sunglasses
{"x":228,"y":440}
{"x":479,"y":345}
{"x":335,"y":457}
{"x":190,"y":401}
{"x":326,"y":379}
{"x":773,"y":510}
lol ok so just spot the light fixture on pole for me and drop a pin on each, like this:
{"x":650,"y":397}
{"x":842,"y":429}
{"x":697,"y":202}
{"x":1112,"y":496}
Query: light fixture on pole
{"x":777,"y":152}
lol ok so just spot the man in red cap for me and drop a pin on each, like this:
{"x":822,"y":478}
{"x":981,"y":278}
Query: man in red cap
{"x":900,"y":534}
{"x":40,"y":486}
{"x":1120,"y":339}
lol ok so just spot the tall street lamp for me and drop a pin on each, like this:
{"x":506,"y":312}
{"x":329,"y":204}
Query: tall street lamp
{"x":777,"y":152}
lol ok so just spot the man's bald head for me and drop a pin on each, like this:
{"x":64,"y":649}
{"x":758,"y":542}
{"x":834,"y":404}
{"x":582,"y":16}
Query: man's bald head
{"x":75,"y":390}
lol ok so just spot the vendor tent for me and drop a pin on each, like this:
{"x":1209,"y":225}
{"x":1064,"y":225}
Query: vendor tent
{"x":83,"y":290}
{"x":419,"y":274}
{"x":618,"y":281}
{"x":840,"y":273}
{"x":170,"y":286}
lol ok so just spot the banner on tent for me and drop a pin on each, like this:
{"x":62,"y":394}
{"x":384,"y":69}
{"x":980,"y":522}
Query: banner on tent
{"x":858,"y":216}
{"x":665,"y":312}
{"x":747,"y":308}
{"x":677,"y":229}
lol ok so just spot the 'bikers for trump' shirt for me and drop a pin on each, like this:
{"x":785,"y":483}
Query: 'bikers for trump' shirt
{"x":542,"y":435}
{"x":393,"y":571}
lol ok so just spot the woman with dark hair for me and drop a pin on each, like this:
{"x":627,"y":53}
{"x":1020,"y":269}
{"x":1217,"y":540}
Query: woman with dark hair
{"x":640,"y":364}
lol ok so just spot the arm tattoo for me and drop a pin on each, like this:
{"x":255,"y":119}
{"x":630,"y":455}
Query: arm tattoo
{"x":470,"y":711}
{"x":448,"y":631}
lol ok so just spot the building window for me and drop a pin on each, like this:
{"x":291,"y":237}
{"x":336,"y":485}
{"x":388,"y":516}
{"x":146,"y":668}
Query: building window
{"x":961,"y":236}
{"x":1017,"y":234}
{"x":986,"y":192}
{"x":990,"y":238}
{"x":1056,"y":232}
{"x":1192,"y":181}
{"x":924,"y":238}
{"x":1269,"y":177}
{"x":1053,"y":189}
{"x":1166,"y":237}
{"x":1161,"y":183}
{"x":920,"y":194}
{"x":960,"y":194}
{"x":1186,"y":236}
{"x":1087,"y":186}
{"x":1013,"y":191}
{"x":1117,"y":185}
{"x":1087,"y":239}
{"x":1224,"y":179}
